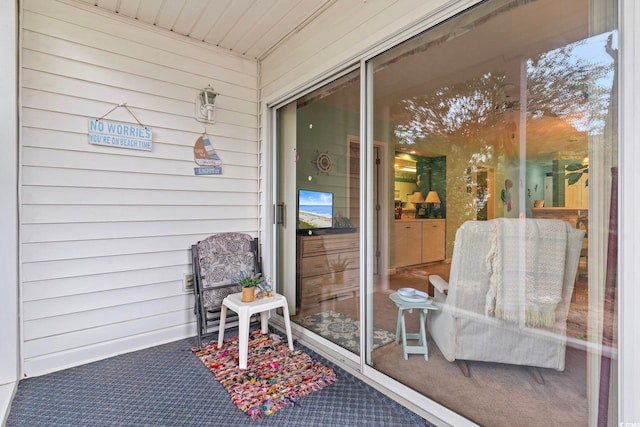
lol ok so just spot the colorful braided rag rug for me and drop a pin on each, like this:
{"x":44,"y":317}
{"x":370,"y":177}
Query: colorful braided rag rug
{"x":275,"y":378}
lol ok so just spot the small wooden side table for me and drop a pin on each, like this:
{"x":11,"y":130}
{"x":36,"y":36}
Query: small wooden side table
{"x":401,"y":329}
{"x":245,"y":310}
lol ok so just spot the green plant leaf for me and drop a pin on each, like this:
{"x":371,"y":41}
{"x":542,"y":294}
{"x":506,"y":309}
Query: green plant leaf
{"x":575,"y":167}
{"x":573,"y":177}
{"x":248,"y":280}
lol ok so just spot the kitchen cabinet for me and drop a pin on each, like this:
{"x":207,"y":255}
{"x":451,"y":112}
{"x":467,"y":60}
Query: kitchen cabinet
{"x":419,"y":241}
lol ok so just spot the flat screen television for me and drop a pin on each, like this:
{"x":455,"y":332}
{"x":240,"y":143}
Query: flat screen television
{"x":315,"y":209}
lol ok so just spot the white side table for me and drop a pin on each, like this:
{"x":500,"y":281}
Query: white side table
{"x":401,"y":329}
{"x":245,"y":310}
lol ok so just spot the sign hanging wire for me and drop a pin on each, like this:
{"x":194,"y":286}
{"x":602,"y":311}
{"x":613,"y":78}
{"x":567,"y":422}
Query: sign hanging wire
{"x":124,"y":104}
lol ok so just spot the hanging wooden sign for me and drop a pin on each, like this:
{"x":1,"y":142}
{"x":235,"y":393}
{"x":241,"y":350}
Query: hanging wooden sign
{"x":205,"y":156}
{"x":121,"y":135}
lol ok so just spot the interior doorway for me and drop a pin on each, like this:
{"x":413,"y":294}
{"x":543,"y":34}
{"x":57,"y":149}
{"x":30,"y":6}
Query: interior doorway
{"x":484,"y":190}
{"x":380,"y":203}
{"x":548,"y":190}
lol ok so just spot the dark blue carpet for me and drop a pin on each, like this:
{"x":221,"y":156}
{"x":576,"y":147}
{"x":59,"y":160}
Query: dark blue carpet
{"x":168,"y":386}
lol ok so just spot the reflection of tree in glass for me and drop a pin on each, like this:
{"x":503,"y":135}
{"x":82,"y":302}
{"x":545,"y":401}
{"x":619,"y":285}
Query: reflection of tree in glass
{"x":573,"y":82}
{"x":459,"y":109}
{"x":467,"y":120}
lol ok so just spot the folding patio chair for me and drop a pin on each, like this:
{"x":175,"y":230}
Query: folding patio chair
{"x":217,"y":261}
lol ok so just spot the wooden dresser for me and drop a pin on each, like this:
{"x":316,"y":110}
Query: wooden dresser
{"x":328,"y":268}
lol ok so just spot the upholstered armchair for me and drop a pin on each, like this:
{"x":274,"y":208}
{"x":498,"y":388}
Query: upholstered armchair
{"x":508,"y":294}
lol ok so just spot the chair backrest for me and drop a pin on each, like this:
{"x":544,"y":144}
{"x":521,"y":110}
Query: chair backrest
{"x":470,"y":272}
{"x":220,"y":259}
{"x":473,"y":268}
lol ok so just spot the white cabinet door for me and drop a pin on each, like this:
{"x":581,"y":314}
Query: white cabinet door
{"x":408,"y":243}
{"x":433,"y":240}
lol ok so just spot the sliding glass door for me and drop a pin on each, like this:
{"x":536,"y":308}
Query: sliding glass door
{"x":505,"y":111}
{"x":489,"y":261}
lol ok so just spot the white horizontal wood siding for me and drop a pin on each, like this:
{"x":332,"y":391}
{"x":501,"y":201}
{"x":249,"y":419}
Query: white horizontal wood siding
{"x":105,"y":232}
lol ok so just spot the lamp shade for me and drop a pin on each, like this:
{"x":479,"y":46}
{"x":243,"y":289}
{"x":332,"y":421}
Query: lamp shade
{"x":417,"y":197}
{"x":432,"y":197}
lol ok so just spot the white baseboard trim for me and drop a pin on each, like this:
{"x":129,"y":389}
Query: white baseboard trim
{"x":7,"y":391}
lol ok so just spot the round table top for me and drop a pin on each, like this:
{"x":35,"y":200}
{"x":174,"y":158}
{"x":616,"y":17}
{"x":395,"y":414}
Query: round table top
{"x":402,"y":303}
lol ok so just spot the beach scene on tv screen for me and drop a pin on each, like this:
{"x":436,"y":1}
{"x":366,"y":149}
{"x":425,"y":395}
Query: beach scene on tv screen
{"x":315,"y":209}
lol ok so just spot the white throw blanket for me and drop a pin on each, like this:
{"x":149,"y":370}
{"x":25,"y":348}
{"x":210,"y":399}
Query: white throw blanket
{"x":529,"y":252}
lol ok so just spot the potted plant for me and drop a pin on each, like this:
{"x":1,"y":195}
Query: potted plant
{"x":248,"y":283}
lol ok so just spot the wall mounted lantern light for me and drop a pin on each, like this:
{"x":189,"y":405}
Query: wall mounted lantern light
{"x":207,"y":100}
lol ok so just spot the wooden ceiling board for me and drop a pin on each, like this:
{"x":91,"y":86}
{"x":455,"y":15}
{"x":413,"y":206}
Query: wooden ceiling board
{"x":208,"y":19}
{"x":248,"y":27}
{"x":189,"y":16}
{"x":253,"y":22}
{"x":230,"y":17}
{"x":129,"y":8}
{"x":298,"y":14}
{"x":169,"y":12}
{"x":148,"y":11}
{"x":111,"y":5}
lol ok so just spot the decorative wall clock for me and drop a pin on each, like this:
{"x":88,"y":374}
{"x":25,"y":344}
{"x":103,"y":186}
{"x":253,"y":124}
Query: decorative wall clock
{"x":324,"y":162}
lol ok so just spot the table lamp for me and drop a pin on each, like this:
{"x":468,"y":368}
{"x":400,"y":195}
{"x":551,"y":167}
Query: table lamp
{"x":432,"y":199}
{"x":417,"y":200}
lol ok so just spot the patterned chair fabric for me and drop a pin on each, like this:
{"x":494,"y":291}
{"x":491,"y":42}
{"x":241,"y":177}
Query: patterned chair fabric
{"x":223,"y":257}
{"x":217,"y":261}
